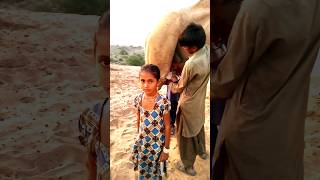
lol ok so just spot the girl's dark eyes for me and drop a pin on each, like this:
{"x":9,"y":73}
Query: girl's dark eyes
{"x":149,"y":81}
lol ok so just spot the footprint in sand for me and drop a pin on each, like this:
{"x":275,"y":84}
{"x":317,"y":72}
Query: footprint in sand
{"x":88,"y":51}
{"x":120,"y":155}
{"x":126,"y":132}
{"x":72,"y":62}
{"x":15,"y":62}
{"x":43,"y":110}
{"x":27,"y":99}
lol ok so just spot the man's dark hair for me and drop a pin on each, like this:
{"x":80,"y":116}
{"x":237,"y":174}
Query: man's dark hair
{"x":153,"y":69}
{"x":193,"y":35}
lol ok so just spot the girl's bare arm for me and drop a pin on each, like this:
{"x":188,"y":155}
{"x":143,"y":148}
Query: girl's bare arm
{"x":165,"y":156}
{"x":166,"y":118}
{"x":91,"y":165}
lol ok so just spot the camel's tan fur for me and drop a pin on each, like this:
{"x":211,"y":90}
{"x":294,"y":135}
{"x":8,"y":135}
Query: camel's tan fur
{"x":161,"y":43}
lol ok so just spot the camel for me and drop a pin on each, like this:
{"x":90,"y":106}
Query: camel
{"x":161,"y":44}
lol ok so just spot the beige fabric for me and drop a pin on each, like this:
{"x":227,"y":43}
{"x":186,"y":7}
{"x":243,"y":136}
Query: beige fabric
{"x":193,"y":85}
{"x":265,"y":74}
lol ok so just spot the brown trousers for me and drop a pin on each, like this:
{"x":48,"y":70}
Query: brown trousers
{"x":190,"y":147}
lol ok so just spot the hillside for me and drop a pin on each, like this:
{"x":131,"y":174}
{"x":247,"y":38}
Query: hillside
{"x":121,"y":55}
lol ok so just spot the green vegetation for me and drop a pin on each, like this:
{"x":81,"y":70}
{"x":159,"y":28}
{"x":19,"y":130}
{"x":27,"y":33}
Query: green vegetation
{"x":127,"y":55}
{"x":135,"y":60}
{"x":123,"y":52}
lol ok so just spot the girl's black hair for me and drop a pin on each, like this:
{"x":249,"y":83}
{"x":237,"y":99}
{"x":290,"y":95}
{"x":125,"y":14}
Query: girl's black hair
{"x":151,"y":68}
{"x":193,"y":35}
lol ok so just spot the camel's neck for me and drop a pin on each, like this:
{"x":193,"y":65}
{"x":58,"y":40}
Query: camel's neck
{"x":198,"y":15}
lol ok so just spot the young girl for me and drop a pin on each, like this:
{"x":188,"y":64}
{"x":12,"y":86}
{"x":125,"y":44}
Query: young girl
{"x":153,"y":124}
{"x":94,"y":123}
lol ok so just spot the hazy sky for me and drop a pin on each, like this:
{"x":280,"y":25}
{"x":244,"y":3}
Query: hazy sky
{"x":132,"y":20}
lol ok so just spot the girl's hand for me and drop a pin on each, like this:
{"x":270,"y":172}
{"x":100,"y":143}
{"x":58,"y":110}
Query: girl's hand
{"x":164,"y":156}
{"x":175,"y":79}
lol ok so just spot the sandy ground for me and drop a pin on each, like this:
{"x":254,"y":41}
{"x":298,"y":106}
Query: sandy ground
{"x":124,"y":87}
{"x":47,"y":78}
{"x":312,"y":132}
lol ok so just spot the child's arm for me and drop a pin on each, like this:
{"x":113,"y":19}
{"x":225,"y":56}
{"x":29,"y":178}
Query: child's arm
{"x":91,"y":165}
{"x":165,"y":156}
{"x":136,"y":110}
{"x":167,"y":130}
{"x":182,"y":83}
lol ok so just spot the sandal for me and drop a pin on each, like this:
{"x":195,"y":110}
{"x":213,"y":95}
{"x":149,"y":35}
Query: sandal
{"x":204,"y":156}
{"x":190,"y":171}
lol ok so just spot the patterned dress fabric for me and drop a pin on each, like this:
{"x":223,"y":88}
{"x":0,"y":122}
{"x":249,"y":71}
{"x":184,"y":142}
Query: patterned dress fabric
{"x":89,"y":137}
{"x":150,"y":140}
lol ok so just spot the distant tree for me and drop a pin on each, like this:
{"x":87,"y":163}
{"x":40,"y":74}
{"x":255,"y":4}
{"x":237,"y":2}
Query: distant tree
{"x":123,"y":52}
{"x":135,"y":60}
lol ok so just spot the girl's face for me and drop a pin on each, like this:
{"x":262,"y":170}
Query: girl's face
{"x":102,"y":52}
{"x":148,"y":83}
